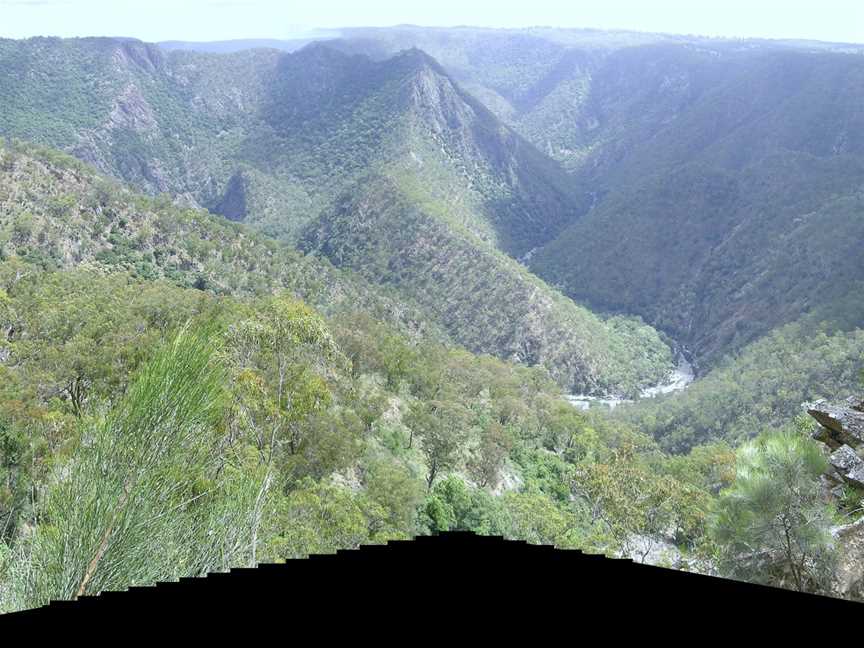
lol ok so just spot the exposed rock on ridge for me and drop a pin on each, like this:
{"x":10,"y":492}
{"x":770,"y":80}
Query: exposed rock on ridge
{"x":842,"y":430}
{"x":841,"y":424}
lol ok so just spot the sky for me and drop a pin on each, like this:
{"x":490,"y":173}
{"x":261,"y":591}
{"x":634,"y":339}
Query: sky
{"x":203,"y":20}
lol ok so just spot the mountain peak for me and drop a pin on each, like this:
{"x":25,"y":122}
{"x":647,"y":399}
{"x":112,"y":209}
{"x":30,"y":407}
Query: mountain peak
{"x":416,"y":60}
{"x":323,"y":50}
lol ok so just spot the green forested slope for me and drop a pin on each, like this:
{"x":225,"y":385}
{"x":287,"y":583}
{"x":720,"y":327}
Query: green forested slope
{"x":717,"y":258}
{"x":716,"y":223}
{"x":272,"y":139}
{"x":276,"y":135}
{"x":721,"y":173}
{"x":484,"y":298}
{"x":763,"y":386}
{"x":158,"y":370}
{"x":57,"y":213}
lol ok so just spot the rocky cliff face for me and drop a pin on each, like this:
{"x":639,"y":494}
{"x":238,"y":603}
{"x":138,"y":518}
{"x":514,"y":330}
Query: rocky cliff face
{"x":841,"y":429}
{"x":850,"y":560}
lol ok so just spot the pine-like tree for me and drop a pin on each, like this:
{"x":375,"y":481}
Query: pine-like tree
{"x":772,"y":524}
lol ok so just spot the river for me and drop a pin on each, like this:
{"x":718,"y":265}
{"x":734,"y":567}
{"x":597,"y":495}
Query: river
{"x":679,"y":379}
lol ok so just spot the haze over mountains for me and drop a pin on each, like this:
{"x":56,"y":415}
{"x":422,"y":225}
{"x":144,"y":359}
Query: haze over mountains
{"x":707,"y":186}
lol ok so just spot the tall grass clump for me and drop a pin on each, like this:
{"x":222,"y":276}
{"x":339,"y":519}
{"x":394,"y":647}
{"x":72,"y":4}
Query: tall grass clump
{"x":147,"y":496}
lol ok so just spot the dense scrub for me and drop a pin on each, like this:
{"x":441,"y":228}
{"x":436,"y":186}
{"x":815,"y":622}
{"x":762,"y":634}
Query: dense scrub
{"x":230,"y":428}
{"x":250,"y":419}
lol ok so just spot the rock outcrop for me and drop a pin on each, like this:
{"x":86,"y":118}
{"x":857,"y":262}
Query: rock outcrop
{"x":841,"y":424}
{"x":841,"y":429}
{"x":848,"y":465}
{"x":850,"y":560}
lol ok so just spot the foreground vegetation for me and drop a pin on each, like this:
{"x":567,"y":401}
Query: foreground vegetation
{"x":166,"y":431}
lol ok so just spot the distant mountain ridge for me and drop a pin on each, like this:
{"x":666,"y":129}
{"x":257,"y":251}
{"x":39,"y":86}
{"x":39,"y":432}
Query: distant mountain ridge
{"x":239,"y":45}
{"x":700,"y":158}
{"x":686,"y":180}
{"x":294,"y":127}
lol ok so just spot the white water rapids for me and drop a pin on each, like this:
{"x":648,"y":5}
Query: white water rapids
{"x":679,"y":379}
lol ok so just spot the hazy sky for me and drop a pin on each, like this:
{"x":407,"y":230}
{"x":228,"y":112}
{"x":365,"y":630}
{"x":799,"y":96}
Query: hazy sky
{"x":154,"y":20}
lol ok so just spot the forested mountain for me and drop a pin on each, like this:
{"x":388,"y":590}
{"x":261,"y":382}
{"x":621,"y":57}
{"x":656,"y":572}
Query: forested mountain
{"x":59,"y":213}
{"x":724,"y":180}
{"x":273,"y":139}
{"x":716,"y":221}
{"x":484,"y":298}
{"x":271,"y":299}
{"x":719,"y":172}
{"x":728,"y":184}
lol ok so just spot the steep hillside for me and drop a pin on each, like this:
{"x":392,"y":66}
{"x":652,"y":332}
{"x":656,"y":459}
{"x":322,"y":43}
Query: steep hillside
{"x":717,"y":173}
{"x":57,"y":213}
{"x":553,"y":85}
{"x":213,"y":420}
{"x":759,"y":388}
{"x":273,"y":139}
{"x":716,"y":223}
{"x":331,"y":116}
{"x":164,"y":123}
{"x":484,"y":298}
